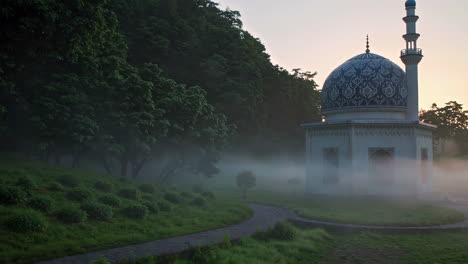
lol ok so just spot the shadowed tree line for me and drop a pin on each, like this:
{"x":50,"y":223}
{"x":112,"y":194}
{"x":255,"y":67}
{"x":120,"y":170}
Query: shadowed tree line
{"x":129,"y":81}
{"x":452,"y":125}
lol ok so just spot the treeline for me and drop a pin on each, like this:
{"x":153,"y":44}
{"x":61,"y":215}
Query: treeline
{"x":451,"y":134}
{"x":129,"y":81}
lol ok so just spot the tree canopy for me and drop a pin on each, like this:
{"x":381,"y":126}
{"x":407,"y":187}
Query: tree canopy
{"x":127,"y":81}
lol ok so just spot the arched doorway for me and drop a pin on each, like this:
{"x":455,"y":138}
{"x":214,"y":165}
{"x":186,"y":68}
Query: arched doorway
{"x":382,"y":165}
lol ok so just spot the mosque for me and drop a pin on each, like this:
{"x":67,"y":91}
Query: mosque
{"x":371,"y":142}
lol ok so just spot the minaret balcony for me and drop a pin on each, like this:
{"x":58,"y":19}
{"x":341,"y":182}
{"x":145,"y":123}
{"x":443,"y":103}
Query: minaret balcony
{"x":406,"y":52}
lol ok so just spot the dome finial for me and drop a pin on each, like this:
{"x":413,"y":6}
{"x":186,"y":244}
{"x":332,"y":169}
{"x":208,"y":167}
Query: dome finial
{"x":367,"y":45}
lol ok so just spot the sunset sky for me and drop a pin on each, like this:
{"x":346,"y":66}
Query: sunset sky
{"x":319,"y":35}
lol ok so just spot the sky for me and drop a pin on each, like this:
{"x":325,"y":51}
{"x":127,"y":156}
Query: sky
{"x":320,"y":35}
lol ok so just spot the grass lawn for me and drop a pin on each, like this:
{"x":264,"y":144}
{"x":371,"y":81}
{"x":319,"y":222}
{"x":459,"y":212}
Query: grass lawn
{"x":318,"y":246}
{"x":445,"y":247}
{"x":360,"y":210}
{"x":143,"y":213}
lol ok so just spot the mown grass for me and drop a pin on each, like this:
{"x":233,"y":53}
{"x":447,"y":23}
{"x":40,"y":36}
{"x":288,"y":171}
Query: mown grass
{"x":441,"y":247}
{"x":60,"y":239}
{"x":318,"y":246}
{"x":309,"y":246}
{"x":365,"y":211}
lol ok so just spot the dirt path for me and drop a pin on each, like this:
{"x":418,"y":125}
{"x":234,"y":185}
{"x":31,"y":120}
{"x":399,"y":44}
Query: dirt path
{"x":264,"y":216}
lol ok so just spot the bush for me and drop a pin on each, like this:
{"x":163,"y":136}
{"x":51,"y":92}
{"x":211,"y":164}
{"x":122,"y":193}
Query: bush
{"x":186,"y":195}
{"x":172,"y":197}
{"x":103,"y":186}
{"x":101,"y":260}
{"x":135,"y":211}
{"x":128,"y":193}
{"x":197,"y":189}
{"x":199,"y":201}
{"x":164,"y":206}
{"x":79,"y":194}
{"x":55,"y":187}
{"x":280,"y":231}
{"x":208,"y":195}
{"x":71,"y":215}
{"x":10,"y":195}
{"x":26,"y":184}
{"x":110,"y":200}
{"x":97,"y":211}
{"x":147,"y":188}
{"x":151,"y":206}
{"x":40,"y":203}
{"x":124,"y":180}
{"x":26,"y":221}
{"x":147,"y":197}
{"x":69,"y":180}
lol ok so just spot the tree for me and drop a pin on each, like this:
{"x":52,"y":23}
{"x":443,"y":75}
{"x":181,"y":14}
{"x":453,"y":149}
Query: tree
{"x":451,"y":122}
{"x":295,"y":182}
{"x":245,"y":181}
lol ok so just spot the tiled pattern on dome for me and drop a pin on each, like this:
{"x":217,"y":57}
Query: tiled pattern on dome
{"x":367,"y":80}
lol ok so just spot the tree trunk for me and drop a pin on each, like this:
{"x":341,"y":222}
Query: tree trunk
{"x":123,"y":166}
{"x":136,"y":167}
{"x":76,"y":160}
{"x":57,"y":159}
{"x":105,"y":164}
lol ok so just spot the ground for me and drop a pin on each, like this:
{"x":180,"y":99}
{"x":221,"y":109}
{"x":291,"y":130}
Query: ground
{"x":226,"y":208}
{"x":62,"y":239}
{"x":362,"y":211}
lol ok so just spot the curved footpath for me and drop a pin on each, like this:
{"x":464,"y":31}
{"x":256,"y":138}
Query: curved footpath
{"x":264,"y":216}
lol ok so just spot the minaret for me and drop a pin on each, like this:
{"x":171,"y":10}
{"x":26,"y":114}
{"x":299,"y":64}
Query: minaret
{"x":411,"y":56}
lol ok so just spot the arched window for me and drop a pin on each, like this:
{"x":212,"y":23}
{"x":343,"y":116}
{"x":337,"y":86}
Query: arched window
{"x":331,"y":162}
{"x":382,"y":165}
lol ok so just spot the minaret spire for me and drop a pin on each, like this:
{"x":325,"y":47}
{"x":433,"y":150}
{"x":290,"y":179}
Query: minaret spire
{"x":411,"y":57}
{"x":367,"y":45}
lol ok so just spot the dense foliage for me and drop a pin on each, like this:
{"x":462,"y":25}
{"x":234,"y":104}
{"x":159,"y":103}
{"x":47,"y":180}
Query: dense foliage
{"x":452,"y":124}
{"x":102,"y":80}
{"x":245,"y":181}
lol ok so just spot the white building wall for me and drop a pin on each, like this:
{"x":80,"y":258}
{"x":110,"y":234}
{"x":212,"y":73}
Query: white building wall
{"x":353,"y":143}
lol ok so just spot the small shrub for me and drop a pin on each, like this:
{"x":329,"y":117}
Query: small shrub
{"x":26,"y":184}
{"x":103,"y":186}
{"x":172,"y":197}
{"x":55,"y":187}
{"x":69,"y":180}
{"x":135,"y":211}
{"x":186,"y":195}
{"x":197,"y":189}
{"x":71,"y":215}
{"x":97,"y":211}
{"x":11,"y":195}
{"x":164,"y":206}
{"x":283,"y":231}
{"x":124,"y":180}
{"x":79,"y":194}
{"x":101,"y":260}
{"x":110,"y":200}
{"x":26,"y":221}
{"x":40,"y":203}
{"x":147,"y":197}
{"x":208,"y":195}
{"x":151,"y":206}
{"x":199,"y":201}
{"x":128,"y":193}
{"x":147,"y":188}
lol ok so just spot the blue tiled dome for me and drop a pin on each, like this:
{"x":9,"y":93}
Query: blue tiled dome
{"x":365,"y":81}
{"x":410,"y":3}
